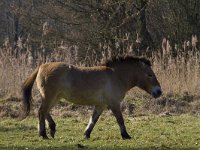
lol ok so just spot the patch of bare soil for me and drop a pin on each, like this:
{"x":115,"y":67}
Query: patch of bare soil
{"x":173,"y":105}
{"x":164,"y":106}
{"x":10,"y":107}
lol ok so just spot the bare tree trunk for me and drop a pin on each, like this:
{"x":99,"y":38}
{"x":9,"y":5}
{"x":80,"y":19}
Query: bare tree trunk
{"x":144,"y":33}
{"x":16,"y":29}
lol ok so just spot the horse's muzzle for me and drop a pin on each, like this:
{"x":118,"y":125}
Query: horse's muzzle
{"x":156,"y":91}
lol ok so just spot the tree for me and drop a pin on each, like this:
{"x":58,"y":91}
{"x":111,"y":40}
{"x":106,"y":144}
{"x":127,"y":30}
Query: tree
{"x":99,"y":24}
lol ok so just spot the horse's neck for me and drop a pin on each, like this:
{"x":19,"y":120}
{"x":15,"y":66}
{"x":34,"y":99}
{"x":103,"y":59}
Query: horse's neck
{"x":125,"y":77}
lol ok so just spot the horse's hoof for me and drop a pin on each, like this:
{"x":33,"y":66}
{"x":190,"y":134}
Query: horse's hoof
{"x":45,"y":138}
{"x":87,"y":137}
{"x":52,"y":133}
{"x":126,"y":136}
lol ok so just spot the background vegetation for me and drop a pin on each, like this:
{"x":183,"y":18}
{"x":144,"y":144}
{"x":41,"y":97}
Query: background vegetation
{"x":84,"y":33}
{"x":90,"y":25}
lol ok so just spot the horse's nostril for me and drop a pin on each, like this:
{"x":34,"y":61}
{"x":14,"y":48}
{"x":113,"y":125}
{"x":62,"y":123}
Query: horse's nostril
{"x":156,"y":92}
{"x":159,"y":92}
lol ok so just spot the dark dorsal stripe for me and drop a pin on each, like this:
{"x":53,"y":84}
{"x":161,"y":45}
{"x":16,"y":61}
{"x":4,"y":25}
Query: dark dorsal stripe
{"x":125,"y":59}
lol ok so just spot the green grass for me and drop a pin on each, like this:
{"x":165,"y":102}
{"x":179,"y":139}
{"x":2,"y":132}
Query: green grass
{"x":173,"y":132}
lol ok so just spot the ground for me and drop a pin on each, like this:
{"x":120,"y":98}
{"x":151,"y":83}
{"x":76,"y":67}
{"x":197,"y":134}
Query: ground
{"x":148,"y":132}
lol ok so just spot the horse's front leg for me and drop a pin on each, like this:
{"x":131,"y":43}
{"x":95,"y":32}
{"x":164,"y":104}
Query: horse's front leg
{"x":118,"y":115}
{"x":93,"y":119}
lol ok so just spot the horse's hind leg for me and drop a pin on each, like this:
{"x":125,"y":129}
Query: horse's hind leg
{"x":118,"y":115}
{"x":52,"y":125}
{"x":42,"y":115}
{"x":93,"y":119}
{"x":47,"y":104}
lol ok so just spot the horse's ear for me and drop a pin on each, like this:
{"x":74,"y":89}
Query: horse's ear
{"x":143,"y":64}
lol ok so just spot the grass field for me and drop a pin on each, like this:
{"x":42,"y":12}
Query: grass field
{"x":152,"y":132}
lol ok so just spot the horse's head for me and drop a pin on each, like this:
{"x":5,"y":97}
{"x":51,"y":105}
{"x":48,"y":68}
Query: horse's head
{"x":146,"y":78}
{"x":135,"y":71}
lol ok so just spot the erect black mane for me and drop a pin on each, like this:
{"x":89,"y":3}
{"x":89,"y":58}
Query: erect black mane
{"x":127,"y":58}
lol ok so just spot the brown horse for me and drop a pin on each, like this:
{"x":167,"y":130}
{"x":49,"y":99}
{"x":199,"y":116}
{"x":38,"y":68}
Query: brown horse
{"x":101,"y":86}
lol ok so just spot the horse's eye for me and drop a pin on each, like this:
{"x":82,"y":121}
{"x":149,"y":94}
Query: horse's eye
{"x":150,"y":75}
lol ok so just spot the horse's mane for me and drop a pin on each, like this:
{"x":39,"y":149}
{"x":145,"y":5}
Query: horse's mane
{"x":125,"y":58}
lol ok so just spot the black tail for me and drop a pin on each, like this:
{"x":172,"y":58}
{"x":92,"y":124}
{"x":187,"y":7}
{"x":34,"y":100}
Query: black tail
{"x":26,"y":92}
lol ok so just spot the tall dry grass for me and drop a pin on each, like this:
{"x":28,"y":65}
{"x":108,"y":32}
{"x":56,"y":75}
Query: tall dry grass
{"x":178,"y":70}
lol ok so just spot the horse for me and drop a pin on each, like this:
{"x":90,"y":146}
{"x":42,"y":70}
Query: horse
{"x":102,"y":86}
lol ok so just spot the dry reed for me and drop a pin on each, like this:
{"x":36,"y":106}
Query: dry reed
{"x":178,"y":73}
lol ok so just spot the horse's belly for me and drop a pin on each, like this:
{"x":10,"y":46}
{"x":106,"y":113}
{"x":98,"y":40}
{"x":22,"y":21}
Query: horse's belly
{"x":85,"y":93}
{"x":84,"y":98}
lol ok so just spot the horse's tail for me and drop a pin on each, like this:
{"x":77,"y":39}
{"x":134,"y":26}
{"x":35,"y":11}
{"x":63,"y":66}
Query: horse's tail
{"x":26,"y":92}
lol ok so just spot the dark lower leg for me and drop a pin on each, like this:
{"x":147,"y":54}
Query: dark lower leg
{"x":52,"y":125}
{"x":42,"y":129}
{"x":118,"y":115}
{"x":94,"y":118}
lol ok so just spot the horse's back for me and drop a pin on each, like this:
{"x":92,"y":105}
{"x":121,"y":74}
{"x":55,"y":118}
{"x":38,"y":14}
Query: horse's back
{"x":80,"y":85}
